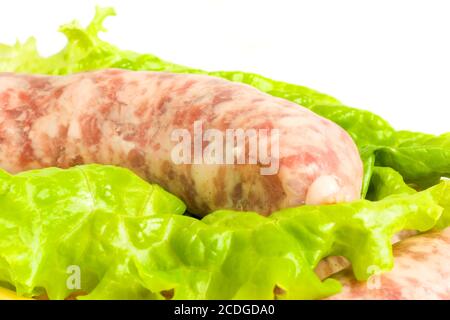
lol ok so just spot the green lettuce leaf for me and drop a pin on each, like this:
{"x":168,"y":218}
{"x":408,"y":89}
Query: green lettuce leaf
{"x":130,"y":240}
{"x":41,"y":207}
{"x":385,"y":182}
{"x":422,"y":159}
{"x":84,"y":51}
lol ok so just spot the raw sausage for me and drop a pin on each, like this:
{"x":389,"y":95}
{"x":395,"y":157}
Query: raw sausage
{"x":421,"y":271}
{"x":128,"y":118}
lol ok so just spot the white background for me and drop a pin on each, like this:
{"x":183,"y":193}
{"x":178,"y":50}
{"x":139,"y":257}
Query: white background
{"x":390,"y":57}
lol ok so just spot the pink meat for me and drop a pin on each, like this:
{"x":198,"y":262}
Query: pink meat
{"x":421,"y":271}
{"x":126,"y":118}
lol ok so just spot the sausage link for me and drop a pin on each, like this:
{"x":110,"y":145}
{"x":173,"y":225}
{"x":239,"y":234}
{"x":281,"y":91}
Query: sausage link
{"x":421,"y":271}
{"x":127,"y":118}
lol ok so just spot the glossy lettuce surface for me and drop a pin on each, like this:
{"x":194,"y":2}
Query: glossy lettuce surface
{"x":129,"y":239}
